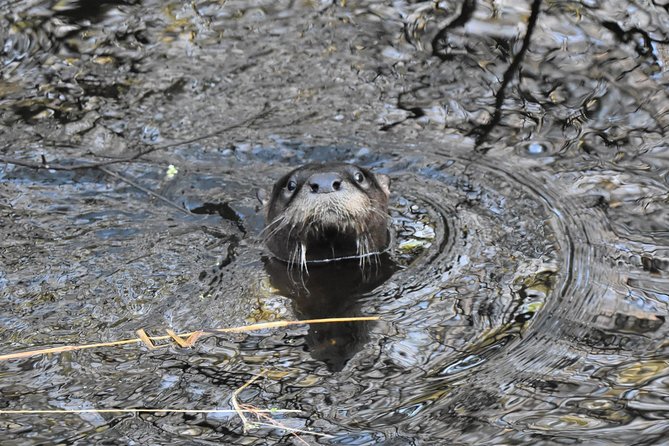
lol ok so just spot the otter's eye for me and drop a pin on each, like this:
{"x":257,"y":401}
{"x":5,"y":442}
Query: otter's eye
{"x":291,"y":186}
{"x":359,"y":177}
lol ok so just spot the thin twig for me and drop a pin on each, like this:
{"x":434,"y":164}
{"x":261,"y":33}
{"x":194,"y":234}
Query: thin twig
{"x":43,"y":165}
{"x":272,"y":423}
{"x":233,"y":399}
{"x":484,"y":130}
{"x":275,"y":424}
{"x":199,"y":333}
{"x":143,"y":189}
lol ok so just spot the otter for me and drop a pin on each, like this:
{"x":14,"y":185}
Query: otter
{"x":334,"y":219}
{"x":324,"y":212}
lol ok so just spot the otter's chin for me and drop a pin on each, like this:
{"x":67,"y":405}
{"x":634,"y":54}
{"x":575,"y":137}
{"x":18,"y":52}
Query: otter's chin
{"x":328,"y":221}
{"x":330,"y":241}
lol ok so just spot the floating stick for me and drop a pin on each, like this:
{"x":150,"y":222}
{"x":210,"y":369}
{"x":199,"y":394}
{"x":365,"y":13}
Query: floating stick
{"x":191,"y":337}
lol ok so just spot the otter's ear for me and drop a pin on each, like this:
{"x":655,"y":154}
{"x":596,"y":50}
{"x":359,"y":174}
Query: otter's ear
{"x":262,"y":197}
{"x":384,"y":182}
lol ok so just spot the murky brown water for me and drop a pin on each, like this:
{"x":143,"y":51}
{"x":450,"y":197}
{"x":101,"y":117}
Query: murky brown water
{"x":527,"y":146}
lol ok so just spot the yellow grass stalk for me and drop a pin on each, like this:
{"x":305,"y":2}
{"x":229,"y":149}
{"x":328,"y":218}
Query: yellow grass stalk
{"x":189,"y":340}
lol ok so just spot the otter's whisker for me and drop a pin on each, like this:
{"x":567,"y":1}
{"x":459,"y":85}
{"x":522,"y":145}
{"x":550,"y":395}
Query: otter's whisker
{"x":359,"y":250}
{"x":364,"y":250}
{"x":290,"y":264}
{"x":297,"y":265}
{"x":303,"y":263}
{"x":269,"y":225}
{"x":293,"y":226}
{"x":280,"y":223}
{"x":303,"y":257}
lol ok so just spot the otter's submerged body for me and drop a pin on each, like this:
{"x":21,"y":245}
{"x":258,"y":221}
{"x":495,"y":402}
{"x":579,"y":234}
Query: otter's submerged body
{"x":326,"y":212}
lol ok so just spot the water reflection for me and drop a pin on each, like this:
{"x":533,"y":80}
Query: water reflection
{"x":331,"y":290}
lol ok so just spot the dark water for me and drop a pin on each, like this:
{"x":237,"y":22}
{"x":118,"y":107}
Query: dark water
{"x":527,"y":146}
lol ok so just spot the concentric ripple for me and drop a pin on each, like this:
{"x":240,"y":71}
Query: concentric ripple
{"x":495,"y":261}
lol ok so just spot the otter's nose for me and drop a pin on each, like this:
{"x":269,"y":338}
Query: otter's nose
{"x":324,"y":183}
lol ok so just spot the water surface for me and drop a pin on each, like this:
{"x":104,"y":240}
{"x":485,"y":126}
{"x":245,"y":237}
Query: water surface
{"x":527,"y":146}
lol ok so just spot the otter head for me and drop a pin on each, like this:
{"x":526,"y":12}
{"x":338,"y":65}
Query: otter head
{"x":321,"y":212}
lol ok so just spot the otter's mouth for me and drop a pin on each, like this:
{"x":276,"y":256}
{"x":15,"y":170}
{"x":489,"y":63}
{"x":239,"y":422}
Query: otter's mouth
{"x":330,"y":241}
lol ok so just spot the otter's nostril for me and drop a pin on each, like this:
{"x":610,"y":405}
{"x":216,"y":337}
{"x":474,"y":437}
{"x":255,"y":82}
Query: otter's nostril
{"x":325,"y":183}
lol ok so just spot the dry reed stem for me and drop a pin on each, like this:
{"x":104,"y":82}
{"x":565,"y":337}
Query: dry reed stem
{"x":147,"y":340}
{"x":233,"y":399}
{"x":276,"y":425}
{"x":185,"y":343}
{"x":238,"y":409}
{"x":191,"y":337}
{"x":247,"y":408}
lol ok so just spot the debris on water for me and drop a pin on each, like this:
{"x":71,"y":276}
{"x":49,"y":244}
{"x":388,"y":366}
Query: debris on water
{"x":171,"y":172}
